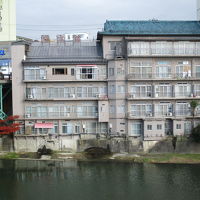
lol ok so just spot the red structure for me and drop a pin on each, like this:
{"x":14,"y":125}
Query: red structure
{"x":8,"y":126}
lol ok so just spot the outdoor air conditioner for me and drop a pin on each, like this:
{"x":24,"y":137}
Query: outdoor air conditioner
{"x":98,"y":95}
{"x":28,"y":115}
{"x":30,"y":96}
{"x":72,"y":95}
{"x":132,"y":96}
{"x":169,"y":114}
{"x":149,"y":114}
{"x":44,"y":77}
{"x":67,"y":114}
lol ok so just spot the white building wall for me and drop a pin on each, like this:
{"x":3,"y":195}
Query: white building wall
{"x":7,"y":20}
{"x":198,"y":9}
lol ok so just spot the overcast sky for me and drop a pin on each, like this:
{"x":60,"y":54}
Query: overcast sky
{"x":37,"y":17}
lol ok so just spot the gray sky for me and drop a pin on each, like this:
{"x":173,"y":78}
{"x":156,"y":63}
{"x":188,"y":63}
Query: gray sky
{"x":37,"y":17}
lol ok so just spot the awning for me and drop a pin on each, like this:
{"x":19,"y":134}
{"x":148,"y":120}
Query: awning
{"x":43,"y":125}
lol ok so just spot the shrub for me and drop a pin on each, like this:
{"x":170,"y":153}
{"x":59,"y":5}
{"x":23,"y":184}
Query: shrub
{"x":195,"y":135}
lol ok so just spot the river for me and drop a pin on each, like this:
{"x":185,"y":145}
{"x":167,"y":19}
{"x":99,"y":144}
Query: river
{"x":72,"y":180}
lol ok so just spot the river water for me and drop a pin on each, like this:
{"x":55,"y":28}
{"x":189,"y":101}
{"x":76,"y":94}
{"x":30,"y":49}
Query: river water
{"x":72,"y":180}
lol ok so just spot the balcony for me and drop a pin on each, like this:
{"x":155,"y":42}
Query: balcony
{"x":61,"y":115}
{"x":167,"y":51}
{"x":70,"y":97}
{"x":163,"y":76}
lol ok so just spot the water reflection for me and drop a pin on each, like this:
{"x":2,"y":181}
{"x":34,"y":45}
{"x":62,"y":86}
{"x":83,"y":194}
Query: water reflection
{"x":96,"y":180}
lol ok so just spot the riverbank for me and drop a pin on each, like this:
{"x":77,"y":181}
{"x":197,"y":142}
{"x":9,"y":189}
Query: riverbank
{"x":172,"y":158}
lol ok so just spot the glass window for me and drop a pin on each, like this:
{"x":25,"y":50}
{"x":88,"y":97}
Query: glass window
{"x":67,"y":128}
{"x":178,"y":126}
{"x":136,"y":129}
{"x":149,"y":127}
{"x":159,"y":126}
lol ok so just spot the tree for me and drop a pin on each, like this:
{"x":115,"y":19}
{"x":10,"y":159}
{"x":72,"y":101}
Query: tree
{"x":196,"y":134}
{"x":8,"y":126}
{"x":193,"y":104}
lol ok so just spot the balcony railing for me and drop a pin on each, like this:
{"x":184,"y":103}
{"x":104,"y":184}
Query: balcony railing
{"x":162,"y":114}
{"x":167,"y":51}
{"x":178,"y":76}
{"x":66,"y":96}
{"x":81,"y":77}
{"x":55,"y":115}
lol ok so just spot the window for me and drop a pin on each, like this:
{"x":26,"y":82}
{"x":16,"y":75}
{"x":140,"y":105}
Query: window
{"x":149,"y":127}
{"x":183,"y":109}
{"x":87,"y":111}
{"x":113,"y":45}
{"x":67,"y":128}
{"x":138,"y":48}
{"x":178,"y":126}
{"x":111,"y":71}
{"x":86,"y":72}
{"x":34,"y":73}
{"x":159,"y":126}
{"x":141,"y":91}
{"x":163,"y":69}
{"x":161,"y":48}
{"x":163,"y":90}
{"x":136,"y":129}
{"x":184,"y":48}
{"x":59,"y":71}
{"x":197,"y":90}
{"x":187,"y":127}
{"x":141,"y":110}
{"x":141,"y":69}
{"x":183,"y":69}
{"x":72,"y":71}
{"x":120,"y":71}
{"x":164,"y":109}
{"x":183,"y":90}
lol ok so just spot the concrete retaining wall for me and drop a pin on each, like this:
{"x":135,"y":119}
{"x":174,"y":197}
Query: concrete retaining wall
{"x":77,"y":143}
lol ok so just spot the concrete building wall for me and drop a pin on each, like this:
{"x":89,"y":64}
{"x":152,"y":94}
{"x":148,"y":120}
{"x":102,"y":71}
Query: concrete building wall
{"x":18,"y":53}
{"x":198,"y":9}
{"x":7,"y":20}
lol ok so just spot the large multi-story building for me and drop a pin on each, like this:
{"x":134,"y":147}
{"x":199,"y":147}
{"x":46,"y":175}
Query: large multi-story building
{"x":138,"y":81}
{"x":153,"y":74}
{"x":7,"y":20}
{"x":60,"y":88}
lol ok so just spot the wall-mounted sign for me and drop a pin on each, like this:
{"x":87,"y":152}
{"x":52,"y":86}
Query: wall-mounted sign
{"x":5,"y":62}
{"x":2,"y":52}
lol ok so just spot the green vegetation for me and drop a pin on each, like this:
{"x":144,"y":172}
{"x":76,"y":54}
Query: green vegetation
{"x":10,"y":155}
{"x":195,"y":135}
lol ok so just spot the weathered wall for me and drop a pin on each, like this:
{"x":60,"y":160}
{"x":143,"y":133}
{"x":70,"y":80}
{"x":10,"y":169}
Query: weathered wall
{"x":165,"y":146}
{"x":75,"y":143}
{"x":6,"y":143}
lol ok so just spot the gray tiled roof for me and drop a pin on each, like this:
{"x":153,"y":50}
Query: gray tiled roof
{"x":151,"y":27}
{"x":64,"y":53}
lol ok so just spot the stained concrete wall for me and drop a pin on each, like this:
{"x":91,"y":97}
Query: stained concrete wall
{"x":77,"y":143}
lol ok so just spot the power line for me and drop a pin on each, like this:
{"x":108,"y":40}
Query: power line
{"x":24,"y":29}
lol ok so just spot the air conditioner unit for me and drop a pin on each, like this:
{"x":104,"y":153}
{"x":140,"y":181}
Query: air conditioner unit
{"x":72,"y":95}
{"x":149,"y":114}
{"x":67,"y":114}
{"x":44,"y":77}
{"x":132,"y":95}
{"x":28,"y":115}
{"x":192,"y":95}
{"x":156,"y":95}
{"x":169,"y":114}
{"x":98,"y":95}
{"x":30,"y":96}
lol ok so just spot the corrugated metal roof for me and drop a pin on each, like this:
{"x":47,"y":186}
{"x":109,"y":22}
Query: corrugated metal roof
{"x":64,"y":52}
{"x":151,"y":27}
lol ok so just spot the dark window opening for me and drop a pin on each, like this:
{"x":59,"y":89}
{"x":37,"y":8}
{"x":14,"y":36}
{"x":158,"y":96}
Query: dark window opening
{"x":57,"y":71}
